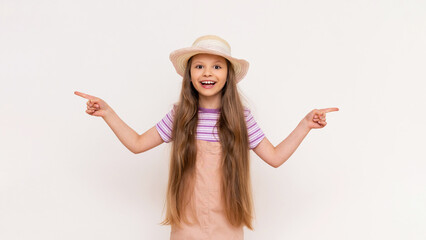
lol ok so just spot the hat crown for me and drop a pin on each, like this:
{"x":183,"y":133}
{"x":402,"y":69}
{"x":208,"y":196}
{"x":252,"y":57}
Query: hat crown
{"x":209,"y":44}
{"x":213,"y":42}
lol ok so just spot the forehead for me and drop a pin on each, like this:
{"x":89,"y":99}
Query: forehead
{"x":208,"y":58}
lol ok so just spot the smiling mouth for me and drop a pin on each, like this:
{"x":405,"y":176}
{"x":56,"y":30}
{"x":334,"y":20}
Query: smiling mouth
{"x":208,"y":83}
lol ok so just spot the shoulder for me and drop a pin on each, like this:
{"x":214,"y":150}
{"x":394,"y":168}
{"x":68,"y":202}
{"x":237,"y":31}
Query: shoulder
{"x":165,"y":125}
{"x":247,"y":111}
{"x":172,"y":111}
{"x":247,"y":114}
{"x":255,"y":134}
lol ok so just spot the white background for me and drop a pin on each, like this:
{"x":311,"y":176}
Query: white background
{"x":65,"y":175}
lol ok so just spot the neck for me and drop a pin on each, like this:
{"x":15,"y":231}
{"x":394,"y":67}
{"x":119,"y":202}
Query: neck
{"x":212,"y":102}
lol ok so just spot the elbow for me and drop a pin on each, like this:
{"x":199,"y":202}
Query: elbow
{"x":278,"y":163}
{"x":137,"y":151}
{"x":134,"y":148}
{"x":274,"y":164}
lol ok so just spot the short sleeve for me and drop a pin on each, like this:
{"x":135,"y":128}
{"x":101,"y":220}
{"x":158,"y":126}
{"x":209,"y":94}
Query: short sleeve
{"x":255,"y":134}
{"x":165,"y":126}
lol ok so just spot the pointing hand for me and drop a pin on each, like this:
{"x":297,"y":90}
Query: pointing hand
{"x":95,"y":106}
{"x":316,"y":118}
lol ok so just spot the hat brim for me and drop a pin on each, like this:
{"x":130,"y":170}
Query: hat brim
{"x":180,"y":58}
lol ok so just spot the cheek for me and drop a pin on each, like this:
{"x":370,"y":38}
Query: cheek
{"x":193,"y":82}
{"x":224,"y":76}
{"x":195,"y":74}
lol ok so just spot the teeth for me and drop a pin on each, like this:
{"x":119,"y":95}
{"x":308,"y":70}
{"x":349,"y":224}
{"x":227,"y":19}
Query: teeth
{"x":207,"y":82}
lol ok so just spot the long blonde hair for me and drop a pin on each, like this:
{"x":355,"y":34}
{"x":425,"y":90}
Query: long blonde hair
{"x":232,"y":130}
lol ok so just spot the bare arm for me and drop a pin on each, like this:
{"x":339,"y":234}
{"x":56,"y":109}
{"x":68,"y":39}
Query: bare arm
{"x":276,"y":156}
{"x":148,"y":140}
{"x":130,"y":138}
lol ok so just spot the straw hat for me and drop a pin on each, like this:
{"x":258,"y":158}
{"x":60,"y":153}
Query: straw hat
{"x":210,"y":44}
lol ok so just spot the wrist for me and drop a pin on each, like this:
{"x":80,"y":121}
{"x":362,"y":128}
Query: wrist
{"x":108,"y":113}
{"x":304,"y":125}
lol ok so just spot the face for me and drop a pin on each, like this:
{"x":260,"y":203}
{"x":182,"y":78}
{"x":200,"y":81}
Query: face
{"x":208,"y":75}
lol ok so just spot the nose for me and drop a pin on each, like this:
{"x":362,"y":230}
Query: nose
{"x":207,"y":72}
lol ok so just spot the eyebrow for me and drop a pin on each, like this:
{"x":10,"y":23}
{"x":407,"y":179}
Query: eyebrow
{"x":198,"y":61}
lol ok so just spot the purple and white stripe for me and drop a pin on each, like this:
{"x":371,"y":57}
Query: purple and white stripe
{"x":206,"y":129}
{"x":164,"y":127}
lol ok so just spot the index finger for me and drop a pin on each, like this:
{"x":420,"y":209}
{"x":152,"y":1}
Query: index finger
{"x":326,"y":110}
{"x":87,"y":96}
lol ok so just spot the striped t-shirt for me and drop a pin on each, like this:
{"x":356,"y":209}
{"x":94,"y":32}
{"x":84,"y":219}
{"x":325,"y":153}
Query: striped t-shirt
{"x":206,"y":129}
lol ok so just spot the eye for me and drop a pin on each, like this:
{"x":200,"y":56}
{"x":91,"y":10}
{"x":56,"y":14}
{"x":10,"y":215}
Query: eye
{"x":217,"y":67}
{"x":198,"y":66}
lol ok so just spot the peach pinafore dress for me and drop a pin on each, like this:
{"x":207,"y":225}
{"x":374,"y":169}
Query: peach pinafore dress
{"x":206,"y":199}
{"x":209,"y":209}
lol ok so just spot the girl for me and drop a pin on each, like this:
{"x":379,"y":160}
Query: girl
{"x":209,"y":189}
